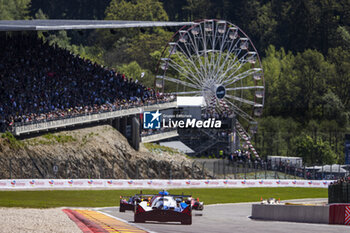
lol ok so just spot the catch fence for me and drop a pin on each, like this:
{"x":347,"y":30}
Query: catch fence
{"x":100,"y":168}
{"x":267,"y":170}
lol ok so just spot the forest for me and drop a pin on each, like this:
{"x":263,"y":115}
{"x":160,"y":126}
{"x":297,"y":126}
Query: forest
{"x":304,"y":45}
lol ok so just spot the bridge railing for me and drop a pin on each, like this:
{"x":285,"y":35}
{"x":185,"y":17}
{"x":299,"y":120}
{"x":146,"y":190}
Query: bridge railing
{"x":19,"y":128}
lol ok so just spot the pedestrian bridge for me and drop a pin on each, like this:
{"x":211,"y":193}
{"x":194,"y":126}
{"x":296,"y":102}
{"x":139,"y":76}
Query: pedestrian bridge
{"x":89,"y":118}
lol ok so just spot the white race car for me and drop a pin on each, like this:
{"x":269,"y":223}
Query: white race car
{"x":165,"y":208}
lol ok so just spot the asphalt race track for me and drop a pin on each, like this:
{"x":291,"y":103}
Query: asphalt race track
{"x":226,"y":218}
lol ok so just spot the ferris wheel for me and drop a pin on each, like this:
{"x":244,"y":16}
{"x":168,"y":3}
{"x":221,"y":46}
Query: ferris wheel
{"x":217,"y":60}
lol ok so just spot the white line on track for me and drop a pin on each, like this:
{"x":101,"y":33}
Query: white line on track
{"x":122,"y":220}
{"x":219,"y":204}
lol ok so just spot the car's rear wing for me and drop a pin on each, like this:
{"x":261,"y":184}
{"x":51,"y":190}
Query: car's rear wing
{"x":146,"y":196}
{"x":181,"y":195}
{"x":160,"y":195}
{"x":138,"y":196}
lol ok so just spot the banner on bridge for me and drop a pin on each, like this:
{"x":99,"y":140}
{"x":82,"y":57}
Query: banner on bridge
{"x":16,"y":184}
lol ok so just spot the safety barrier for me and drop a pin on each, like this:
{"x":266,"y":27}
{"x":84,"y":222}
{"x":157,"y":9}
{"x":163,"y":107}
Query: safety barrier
{"x":327,"y":214}
{"x":26,"y":184}
{"x":291,"y":213}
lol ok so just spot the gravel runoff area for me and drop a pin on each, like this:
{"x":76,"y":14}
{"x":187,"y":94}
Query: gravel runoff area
{"x":36,"y":220}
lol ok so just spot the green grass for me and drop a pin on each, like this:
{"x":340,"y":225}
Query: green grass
{"x":13,"y":142}
{"x":51,"y":139}
{"x":60,"y":138}
{"x":153,"y":147}
{"x":101,"y":198}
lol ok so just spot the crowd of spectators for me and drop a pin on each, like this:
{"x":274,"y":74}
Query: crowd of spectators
{"x":43,"y":82}
{"x":243,"y":156}
{"x":343,"y":180}
{"x":219,"y":116}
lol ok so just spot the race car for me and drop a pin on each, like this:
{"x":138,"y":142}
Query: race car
{"x":164,"y":208}
{"x":196,"y":204}
{"x":129,"y":202}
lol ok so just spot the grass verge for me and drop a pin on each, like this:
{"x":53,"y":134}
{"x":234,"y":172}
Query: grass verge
{"x":101,"y":198}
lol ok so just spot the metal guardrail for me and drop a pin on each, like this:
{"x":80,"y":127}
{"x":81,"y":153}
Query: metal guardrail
{"x":159,"y":136}
{"x":36,"y":127}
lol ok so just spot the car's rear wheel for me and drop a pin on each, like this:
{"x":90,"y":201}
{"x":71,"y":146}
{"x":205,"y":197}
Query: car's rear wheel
{"x":138,"y":219}
{"x":187,"y":221}
{"x":121,"y":209}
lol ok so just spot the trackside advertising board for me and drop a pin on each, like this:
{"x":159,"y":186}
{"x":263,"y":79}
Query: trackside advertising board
{"x":27,"y":184}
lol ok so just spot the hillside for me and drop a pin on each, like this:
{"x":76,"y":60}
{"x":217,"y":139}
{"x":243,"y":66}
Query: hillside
{"x":95,"y":152}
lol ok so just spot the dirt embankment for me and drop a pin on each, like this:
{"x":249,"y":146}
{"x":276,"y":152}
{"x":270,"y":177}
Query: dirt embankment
{"x":95,"y":152}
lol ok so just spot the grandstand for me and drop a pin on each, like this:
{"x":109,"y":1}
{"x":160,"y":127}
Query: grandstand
{"x":40,"y":83}
{"x":45,"y":87}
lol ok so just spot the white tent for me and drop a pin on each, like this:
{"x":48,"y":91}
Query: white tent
{"x":334,"y":168}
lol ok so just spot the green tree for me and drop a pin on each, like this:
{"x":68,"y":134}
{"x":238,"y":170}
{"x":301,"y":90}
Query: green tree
{"x":280,"y":85}
{"x":141,"y":10}
{"x":344,"y":35}
{"x":40,"y":15}
{"x":334,"y":109}
{"x":142,"y":45}
{"x":134,"y":70}
{"x":198,"y":9}
{"x":275,"y":135}
{"x":312,"y":152}
{"x":67,"y":9}
{"x":128,"y":45}
{"x":14,"y":9}
{"x":340,"y":82}
{"x":263,"y":26}
{"x":312,"y":73}
{"x":174,"y":9}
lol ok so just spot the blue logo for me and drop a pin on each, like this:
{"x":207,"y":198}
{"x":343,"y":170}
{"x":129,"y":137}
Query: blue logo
{"x":151,"y":120}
